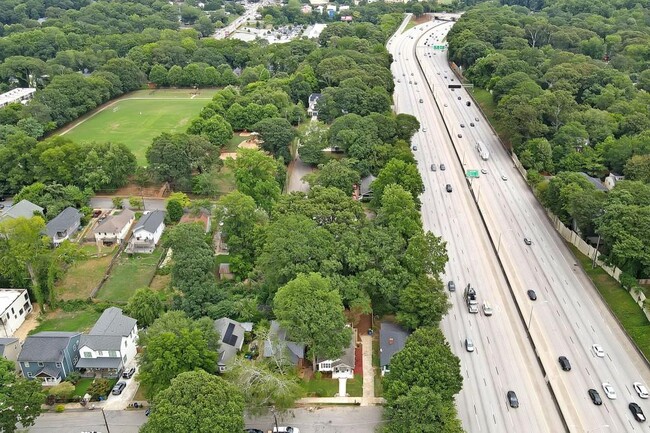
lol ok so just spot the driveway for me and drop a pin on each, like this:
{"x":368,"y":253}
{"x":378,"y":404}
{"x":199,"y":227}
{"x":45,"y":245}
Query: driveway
{"x":122,"y":401}
{"x":297,"y":170}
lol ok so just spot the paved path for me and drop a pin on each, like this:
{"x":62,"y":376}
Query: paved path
{"x":368,"y":371}
{"x":297,"y":170}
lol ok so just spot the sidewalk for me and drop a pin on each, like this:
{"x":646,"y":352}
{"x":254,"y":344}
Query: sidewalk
{"x":368,"y":371}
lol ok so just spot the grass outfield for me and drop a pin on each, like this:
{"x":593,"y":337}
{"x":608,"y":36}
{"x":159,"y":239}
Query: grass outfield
{"x":141,"y":116}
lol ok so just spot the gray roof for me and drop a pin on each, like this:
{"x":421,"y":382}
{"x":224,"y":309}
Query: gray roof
{"x":6,"y":342}
{"x":47,"y":346}
{"x":68,"y":218}
{"x":347,"y":358}
{"x":151,"y":221}
{"x":115,"y":223}
{"x":49,"y":370}
{"x":113,"y":323}
{"x":314,"y":97}
{"x":23,"y":208}
{"x":231,"y":333}
{"x":296,"y":350}
{"x":392,"y":339}
{"x":104,"y":362}
{"x":101,"y":342}
{"x":595,"y":181}
{"x":364,"y":187}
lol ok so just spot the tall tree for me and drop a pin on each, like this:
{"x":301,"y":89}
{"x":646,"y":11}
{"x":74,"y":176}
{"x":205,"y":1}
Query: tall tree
{"x":256,"y":175}
{"x":421,"y":410}
{"x":422,"y":303}
{"x":144,"y":306}
{"x":313,"y":313}
{"x":20,"y":399}
{"x":197,"y":402}
{"x":276,"y":134}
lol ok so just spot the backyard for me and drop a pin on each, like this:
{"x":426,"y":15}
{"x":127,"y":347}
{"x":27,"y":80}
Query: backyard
{"x":68,"y":321}
{"x":82,"y":277}
{"x":128,"y":274}
{"x":139,"y":117}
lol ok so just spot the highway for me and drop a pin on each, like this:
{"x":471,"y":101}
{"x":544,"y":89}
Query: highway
{"x":566,"y":319}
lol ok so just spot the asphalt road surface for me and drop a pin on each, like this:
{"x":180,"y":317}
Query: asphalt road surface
{"x":324,"y":420}
{"x":567,"y":318}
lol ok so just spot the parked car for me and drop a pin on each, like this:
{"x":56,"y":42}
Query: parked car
{"x":637,"y":413}
{"x":286,"y":429}
{"x":609,"y":391}
{"x":512,"y":399}
{"x":128,"y":374}
{"x":640,"y":389}
{"x":253,"y":430}
{"x":118,"y":388}
{"x":595,"y":397}
{"x":564,"y":363}
{"x":598,"y":350}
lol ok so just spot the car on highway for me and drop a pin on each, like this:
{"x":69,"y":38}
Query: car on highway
{"x":448,"y":188}
{"x":532,"y":295}
{"x":527,"y":241}
{"x":462,"y":125}
{"x":399,"y":81}
{"x":513,"y":401}
{"x":564,"y":363}
{"x":471,"y":124}
{"x":118,"y":388}
{"x":637,"y":413}
{"x":469,"y":345}
{"x":424,"y":129}
{"x":609,"y":390}
{"x":476,"y":119}
{"x":410,"y":82}
{"x":598,"y":350}
{"x":484,"y":171}
{"x":128,"y":374}
{"x":433,"y":167}
{"x":504,"y":177}
{"x":411,"y":74}
{"x":446,"y":105}
{"x":487,"y":310}
{"x":460,"y":135}
{"x":442,"y":167}
{"x":286,"y":430}
{"x":595,"y":397}
{"x":459,"y":98}
{"x":415,"y":82}
{"x":421,"y":101}
{"x":414,"y":147}
{"x":640,"y":389}
{"x":451,"y":286}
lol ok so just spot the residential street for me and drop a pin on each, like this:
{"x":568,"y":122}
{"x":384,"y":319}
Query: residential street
{"x":347,"y":419}
{"x":107,"y":203}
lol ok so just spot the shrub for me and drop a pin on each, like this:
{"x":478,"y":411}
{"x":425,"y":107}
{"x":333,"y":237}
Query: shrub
{"x":59,"y":408}
{"x":628,"y":281}
{"x":62,"y":391}
{"x":74,"y":377}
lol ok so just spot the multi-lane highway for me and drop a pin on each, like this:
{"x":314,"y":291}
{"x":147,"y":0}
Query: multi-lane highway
{"x":566,"y":319}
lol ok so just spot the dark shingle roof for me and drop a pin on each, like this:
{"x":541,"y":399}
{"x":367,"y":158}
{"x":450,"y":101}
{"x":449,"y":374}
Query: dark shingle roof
{"x":392,"y":339}
{"x":151,"y":221}
{"x":113,"y":323}
{"x":296,"y":350}
{"x":47,"y":346}
{"x":63,"y":221}
{"x":595,"y":182}
{"x":101,"y":342}
{"x":115,"y":223}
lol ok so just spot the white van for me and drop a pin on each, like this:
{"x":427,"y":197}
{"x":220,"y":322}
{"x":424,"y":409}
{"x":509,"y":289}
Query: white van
{"x":487,"y":310}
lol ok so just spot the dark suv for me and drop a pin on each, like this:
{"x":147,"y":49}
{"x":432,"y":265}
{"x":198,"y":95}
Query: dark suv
{"x":564,"y":363}
{"x":512,"y":399}
{"x":448,"y":188}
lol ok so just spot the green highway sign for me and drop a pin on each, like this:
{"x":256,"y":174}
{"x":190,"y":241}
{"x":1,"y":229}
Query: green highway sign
{"x":438,"y":47}
{"x":472,"y":173}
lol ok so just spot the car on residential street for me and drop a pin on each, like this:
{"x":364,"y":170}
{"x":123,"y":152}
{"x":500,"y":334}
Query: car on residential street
{"x":128,"y":374}
{"x":118,"y":388}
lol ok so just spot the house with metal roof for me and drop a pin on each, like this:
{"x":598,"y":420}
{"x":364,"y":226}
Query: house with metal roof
{"x":147,"y":233}
{"x":64,"y":225}
{"x":115,"y":228}
{"x":392,"y":339}
{"x":278,"y":342}
{"x":231,"y":335}
{"x":109,"y":346}
{"x":22,"y":209}
{"x":49,"y":356}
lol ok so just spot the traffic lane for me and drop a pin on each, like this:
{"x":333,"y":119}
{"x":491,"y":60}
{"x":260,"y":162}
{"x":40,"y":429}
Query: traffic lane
{"x":90,"y":420}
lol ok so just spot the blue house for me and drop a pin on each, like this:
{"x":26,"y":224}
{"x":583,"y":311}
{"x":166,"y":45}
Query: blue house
{"x":49,"y":356}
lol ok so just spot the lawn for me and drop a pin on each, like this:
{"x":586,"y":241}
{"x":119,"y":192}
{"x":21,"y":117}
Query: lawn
{"x":68,"y":321}
{"x":91,"y":249}
{"x":82,"y":386}
{"x":233,"y":143}
{"x":130,"y":273}
{"x":620,"y":302}
{"x":325,"y":387}
{"x":82,"y":277}
{"x":139,"y":117}
{"x":160,"y":282}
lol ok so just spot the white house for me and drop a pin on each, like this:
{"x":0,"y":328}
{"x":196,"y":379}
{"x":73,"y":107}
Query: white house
{"x":114,"y":228}
{"x":21,"y":94}
{"x":14,"y":307}
{"x":63,"y":225}
{"x":611,"y":179}
{"x":147,"y":233}
{"x":343,"y":366}
{"x":312,"y":109}
{"x":109,"y":346}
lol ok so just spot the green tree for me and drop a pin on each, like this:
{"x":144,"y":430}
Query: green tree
{"x":20,"y":399}
{"x":338,"y":174}
{"x":197,"y":402}
{"x":638,"y":168}
{"x":400,"y":173}
{"x":426,"y":254}
{"x":421,"y":410}
{"x":256,"y":175}
{"x":398,"y":212}
{"x":144,"y":306}
{"x":174,"y":211}
{"x":204,"y":26}
{"x":158,"y":75}
{"x":313,"y":313}
{"x":276,"y":135}
{"x":426,"y":361}
{"x":136,"y":202}
{"x":99,"y":388}
{"x":422,"y":303}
